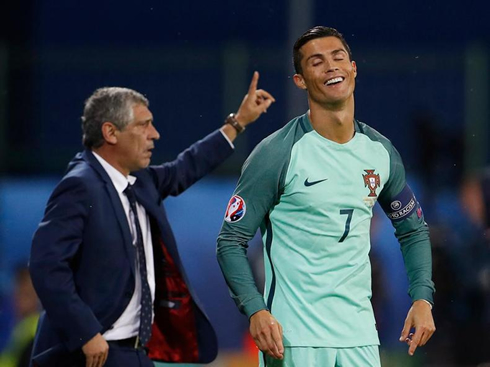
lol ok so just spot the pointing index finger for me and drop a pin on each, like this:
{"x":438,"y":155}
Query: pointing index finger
{"x":253,"y":83}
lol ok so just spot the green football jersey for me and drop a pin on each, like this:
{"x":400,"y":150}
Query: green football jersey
{"x":312,"y":198}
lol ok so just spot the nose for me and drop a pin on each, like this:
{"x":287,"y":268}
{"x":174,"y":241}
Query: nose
{"x":330,"y":66}
{"x":154,"y":134}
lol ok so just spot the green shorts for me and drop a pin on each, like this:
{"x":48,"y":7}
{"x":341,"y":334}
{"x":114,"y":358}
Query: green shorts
{"x":367,"y":356}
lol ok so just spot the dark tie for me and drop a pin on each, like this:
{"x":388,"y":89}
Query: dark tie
{"x":146,"y":304}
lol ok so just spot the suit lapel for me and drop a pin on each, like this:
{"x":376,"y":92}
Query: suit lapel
{"x":158,"y":213}
{"x":117,"y":206}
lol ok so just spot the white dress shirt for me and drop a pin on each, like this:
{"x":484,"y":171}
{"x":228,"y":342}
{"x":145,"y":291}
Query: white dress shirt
{"x":127,"y":325}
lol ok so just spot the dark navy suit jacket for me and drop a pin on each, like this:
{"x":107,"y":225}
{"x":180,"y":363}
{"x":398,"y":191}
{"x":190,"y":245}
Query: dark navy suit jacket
{"x":83,"y":261}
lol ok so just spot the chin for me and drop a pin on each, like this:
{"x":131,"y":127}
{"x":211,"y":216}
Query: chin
{"x":141,"y":165}
{"x":145,"y":163}
{"x":339,"y":98}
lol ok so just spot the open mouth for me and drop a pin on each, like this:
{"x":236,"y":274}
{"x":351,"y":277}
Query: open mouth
{"x":334,"y":81}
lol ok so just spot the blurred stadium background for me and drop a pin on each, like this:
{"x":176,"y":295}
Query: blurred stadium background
{"x":423,"y":82}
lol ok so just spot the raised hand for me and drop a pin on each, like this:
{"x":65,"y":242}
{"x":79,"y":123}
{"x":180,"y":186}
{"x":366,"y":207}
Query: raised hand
{"x":255,"y":103}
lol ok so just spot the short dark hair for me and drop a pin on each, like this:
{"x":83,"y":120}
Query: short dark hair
{"x":311,"y":34}
{"x":113,"y":104}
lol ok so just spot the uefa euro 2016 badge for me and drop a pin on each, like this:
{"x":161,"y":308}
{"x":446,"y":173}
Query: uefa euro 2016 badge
{"x":372,"y":181}
{"x":236,"y":209}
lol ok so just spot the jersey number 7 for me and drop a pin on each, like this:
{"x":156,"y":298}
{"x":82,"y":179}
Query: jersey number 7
{"x":348,"y":212}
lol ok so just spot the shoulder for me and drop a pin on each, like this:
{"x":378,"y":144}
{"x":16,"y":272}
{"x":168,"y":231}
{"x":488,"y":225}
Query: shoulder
{"x":374,"y":135}
{"x":276,"y":148}
{"x":79,"y":176}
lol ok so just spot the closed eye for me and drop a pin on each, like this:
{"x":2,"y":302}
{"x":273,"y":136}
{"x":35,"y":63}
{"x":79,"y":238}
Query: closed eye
{"x":339,"y":54}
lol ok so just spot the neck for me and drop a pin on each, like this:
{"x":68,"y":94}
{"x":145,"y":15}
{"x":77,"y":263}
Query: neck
{"x":105,"y":152}
{"x":335,"y":122}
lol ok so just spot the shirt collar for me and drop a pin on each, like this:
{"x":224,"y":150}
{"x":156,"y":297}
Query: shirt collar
{"x":119,"y":181}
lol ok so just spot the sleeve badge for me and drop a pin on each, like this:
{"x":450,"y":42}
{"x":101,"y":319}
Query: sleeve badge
{"x":236,"y":209}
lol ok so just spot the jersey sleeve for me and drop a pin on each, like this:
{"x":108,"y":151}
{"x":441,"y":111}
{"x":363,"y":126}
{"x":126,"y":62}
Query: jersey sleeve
{"x":402,"y":208}
{"x":257,"y":191}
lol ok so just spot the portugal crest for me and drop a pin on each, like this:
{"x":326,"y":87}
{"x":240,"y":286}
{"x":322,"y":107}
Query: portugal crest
{"x":372,"y":181}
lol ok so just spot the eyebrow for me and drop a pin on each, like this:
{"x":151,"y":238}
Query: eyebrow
{"x":144,"y":121}
{"x":339,"y":50}
{"x":334,"y":52}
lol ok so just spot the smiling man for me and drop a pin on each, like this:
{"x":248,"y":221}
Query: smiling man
{"x":310,"y":188}
{"x":104,"y":261}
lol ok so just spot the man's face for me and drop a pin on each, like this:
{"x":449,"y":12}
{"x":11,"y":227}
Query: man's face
{"x":136,"y":141}
{"x":328,"y":74}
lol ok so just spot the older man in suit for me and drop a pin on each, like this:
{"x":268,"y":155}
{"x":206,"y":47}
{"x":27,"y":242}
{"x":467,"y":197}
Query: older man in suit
{"x":104,"y":260}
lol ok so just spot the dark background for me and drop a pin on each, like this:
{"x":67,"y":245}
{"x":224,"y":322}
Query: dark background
{"x":423,"y":81}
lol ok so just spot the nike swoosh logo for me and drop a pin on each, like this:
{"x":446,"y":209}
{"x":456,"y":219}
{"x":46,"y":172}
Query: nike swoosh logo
{"x":308,"y":183}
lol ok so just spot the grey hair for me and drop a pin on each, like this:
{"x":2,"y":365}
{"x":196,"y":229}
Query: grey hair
{"x":109,"y":104}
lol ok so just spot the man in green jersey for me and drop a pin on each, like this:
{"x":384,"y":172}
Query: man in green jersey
{"x":310,"y":187}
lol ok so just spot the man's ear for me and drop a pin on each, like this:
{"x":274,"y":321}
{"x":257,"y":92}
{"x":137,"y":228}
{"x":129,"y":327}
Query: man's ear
{"x":299,"y":81}
{"x":109,"y":132}
{"x":354,"y":66}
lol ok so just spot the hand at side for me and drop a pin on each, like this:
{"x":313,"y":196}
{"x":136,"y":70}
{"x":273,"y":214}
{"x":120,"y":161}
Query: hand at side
{"x":267,"y":334}
{"x":96,"y":351}
{"x":420,"y":318}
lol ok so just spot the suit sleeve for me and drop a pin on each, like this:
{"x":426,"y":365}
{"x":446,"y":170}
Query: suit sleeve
{"x":192,"y":164}
{"x":54,"y":249}
{"x":257,"y":192}
{"x":411,"y":230}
